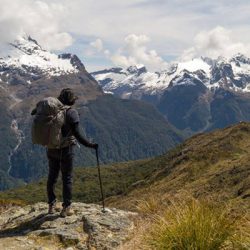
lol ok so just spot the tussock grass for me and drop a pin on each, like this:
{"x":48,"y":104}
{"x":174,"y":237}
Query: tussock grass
{"x":5,"y":204}
{"x":12,"y":202}
{"x":194,"y":225}
{"x":149,"y":206}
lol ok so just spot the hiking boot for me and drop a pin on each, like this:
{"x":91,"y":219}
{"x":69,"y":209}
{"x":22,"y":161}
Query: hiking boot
{"x":66,"y":211}
{"x":53,"y":208}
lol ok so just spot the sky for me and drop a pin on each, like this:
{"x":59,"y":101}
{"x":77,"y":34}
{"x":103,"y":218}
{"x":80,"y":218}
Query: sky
{"x":110,"y":33}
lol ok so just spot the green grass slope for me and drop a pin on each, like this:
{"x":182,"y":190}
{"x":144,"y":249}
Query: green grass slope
{"x":117,"y":179}
{"x":212,"y":164}
{"x":197,"y":196}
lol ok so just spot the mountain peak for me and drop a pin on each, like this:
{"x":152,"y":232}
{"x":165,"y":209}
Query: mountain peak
{"x":137,"y":69}
{"x":26,"y":44}
{"x":240,"y":58}
{"x":26,"y":56}
{"x":74,"y":60}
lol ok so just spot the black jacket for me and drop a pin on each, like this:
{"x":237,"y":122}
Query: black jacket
{"x":72,"y":127}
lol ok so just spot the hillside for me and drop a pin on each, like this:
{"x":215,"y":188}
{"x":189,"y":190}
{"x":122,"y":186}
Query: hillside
{"x":117,"y":179}
{"x":195,"y":195}
{"x":211,"y":164}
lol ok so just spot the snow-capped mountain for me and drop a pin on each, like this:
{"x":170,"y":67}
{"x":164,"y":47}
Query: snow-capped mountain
{"x":137,"y":81}
{"x":26,"y":58}
{"x":25,"y":62}
{"x":195,"y":96}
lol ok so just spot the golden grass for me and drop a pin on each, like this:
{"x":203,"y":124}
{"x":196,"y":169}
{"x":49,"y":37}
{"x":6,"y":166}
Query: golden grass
{"x":181,"y":222}
{"x":191,"y":225}
{"x":5,"y":204}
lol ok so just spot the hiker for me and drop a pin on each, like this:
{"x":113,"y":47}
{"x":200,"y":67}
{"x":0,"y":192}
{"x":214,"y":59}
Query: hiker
{"x":62,"y":158}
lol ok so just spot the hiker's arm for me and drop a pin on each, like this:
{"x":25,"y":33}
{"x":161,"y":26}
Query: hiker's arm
{"x":78,"y":135}
{"x":74,"y":121}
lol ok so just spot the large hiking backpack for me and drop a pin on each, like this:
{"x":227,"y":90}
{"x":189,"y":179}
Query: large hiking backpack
{"x":47,"y":123}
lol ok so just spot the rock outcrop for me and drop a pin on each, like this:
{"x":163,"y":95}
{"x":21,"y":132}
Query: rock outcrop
{"x":30,"y":227}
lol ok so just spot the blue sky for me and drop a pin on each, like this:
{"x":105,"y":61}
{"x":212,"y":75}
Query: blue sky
{"x":106,"y":33}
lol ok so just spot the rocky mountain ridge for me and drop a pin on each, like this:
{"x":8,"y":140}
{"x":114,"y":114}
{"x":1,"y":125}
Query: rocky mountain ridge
{"x":232,"y":74}
{"x":30,"y":227}
{"x":195,"y":96}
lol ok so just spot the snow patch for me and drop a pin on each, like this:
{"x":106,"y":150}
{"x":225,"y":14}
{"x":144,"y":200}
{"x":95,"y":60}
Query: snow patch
{"x":242,"y":69}
{"x":194,"y":65}
{"x":108,"y":92}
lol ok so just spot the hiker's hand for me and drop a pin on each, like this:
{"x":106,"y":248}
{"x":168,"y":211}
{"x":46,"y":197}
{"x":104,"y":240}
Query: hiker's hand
{"x":33,"y":112}
{"x":95,"y":145}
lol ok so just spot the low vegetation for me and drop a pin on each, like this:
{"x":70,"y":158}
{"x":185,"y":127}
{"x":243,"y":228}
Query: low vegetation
{"x":194,"y":197}
{"x":193,"y":225}
{"x":117,"y":178}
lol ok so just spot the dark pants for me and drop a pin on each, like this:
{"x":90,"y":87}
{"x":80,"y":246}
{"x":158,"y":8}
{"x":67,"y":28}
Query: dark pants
{"x":60,"y":159}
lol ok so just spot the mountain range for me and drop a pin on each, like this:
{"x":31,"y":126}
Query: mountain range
{"x":195,"y":96}
{"x":125,"y":129}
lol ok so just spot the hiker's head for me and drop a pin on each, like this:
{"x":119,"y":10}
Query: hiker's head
{"x":67,"y":97}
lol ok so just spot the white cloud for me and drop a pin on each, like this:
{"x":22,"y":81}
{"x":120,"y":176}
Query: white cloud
{"x":96,"y":48}
{"x":135,"y":52}
{"x":39,"y":19}
{"x":97,"y":44}
{"x":171,"y":25}
{"x":214,"y":43}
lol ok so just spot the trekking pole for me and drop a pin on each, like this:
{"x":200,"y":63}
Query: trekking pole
{"x":100,"y":179}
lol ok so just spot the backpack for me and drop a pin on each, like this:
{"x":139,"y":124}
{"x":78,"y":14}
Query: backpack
{"x":47,"y":124}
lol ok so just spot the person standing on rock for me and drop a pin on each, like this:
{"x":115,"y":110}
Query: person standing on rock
{"x":60,"y":153}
